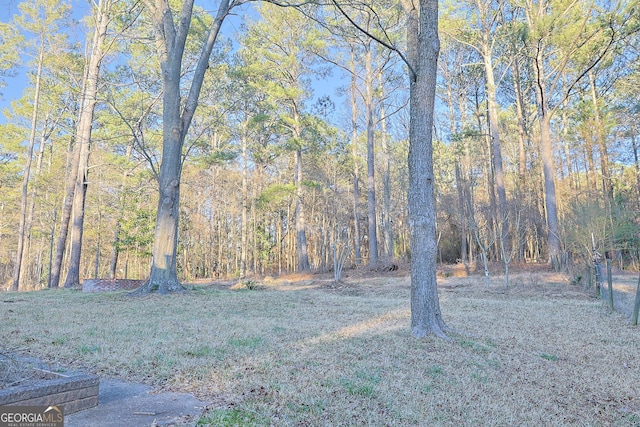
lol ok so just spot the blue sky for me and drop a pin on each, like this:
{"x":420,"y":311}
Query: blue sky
{"x":15,"y":86}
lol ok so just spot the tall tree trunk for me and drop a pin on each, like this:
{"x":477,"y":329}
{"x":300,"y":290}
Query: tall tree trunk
{"x":371,"y":181}
{"x":113,"y":259}
{"x":546,"y":144}
{"x":301,"y":235}
{"x":602,"y":143}
{"x":462,"y":217}
{"x":502,"y":222}
{"x":607,"y":182}
{"x":386,"y":186}
{"x":537,"y":16}
{"x":32,"y":202}
{"x":548,"y":167}
{"x":634,"y":145}
{"x":245,"y":206}
{"x":523,"y":143}
{"x":523,"y":134}
{"x":96,"y":264}
{"x":356,"y":169}
{"x":164,"y":277}
{"x":590,"y":170}
{"x":565,"y":144}
{"x":466,"y":190}
{"x":115,"y":250}
{"x":423,"y":48}
{"x":170,"y":43}
{"x":83,"y":142}
{"x":61,"y":244}
{"x":23,"y":227}
{"x":492,"y":220}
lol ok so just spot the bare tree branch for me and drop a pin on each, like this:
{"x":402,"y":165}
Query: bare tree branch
{"x":376,"y":39}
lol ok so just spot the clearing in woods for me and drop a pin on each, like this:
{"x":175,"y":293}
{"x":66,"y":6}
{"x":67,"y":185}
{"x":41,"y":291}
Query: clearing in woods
{"x":301,"y":350}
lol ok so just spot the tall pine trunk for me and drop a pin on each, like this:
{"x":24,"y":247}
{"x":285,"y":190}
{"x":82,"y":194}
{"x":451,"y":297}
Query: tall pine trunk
{"x":386,"y":186}
{"x":423,"y":48}
{"x":24,"y":226}
{"x":83,"y":141}
{"x":502,"y":220}
{"x":244,"y":229}
{"x":371,"y":181}
{"x":61,"y":244}
{"x":356,"y":169}
{"x":551,"y":204}
{"x":302,"y":254}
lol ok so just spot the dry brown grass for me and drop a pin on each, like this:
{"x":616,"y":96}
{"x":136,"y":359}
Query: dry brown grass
{"x":306,"y":351}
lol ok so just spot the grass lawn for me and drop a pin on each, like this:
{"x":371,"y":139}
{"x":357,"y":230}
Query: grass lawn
{"x":301,"y":351}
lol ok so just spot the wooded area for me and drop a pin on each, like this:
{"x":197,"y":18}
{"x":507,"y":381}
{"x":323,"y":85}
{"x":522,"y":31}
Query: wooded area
{"x":299,"y":143}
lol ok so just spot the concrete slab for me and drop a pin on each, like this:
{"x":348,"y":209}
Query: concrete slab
{"x":123,"y":404}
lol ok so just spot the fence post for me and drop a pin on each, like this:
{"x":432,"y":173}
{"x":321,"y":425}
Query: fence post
{"x":610,"y":283}
{"x":636,"y":306}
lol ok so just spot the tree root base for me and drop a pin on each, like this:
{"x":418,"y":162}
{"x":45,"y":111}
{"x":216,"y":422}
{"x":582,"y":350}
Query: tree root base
{"x":159,"y":288}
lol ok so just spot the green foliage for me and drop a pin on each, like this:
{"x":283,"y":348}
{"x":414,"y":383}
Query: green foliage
{"x":137,"y":228}
{"x":626,"y":234}
{"x":219,"y":157}
{"x":10,"y":136}
{"x":276,"y":194}
{"x":10,"y":42}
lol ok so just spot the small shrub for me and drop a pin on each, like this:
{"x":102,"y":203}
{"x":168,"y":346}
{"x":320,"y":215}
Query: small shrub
{"x":250,"y":284}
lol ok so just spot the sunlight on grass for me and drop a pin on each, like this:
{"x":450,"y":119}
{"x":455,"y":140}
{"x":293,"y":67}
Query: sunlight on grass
{"x":301,"y":354}
{"x":232,"y":417}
